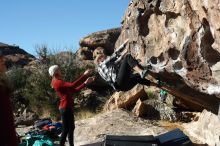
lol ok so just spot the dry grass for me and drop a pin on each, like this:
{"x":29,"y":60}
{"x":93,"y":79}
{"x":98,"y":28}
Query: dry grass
{"x":152,"y":93}
{"x":84,"y":114}
{"x":170,"y":126}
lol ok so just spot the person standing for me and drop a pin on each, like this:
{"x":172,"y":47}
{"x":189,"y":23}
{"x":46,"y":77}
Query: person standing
{"x":65,"y":90}
{"x":7,"y":135}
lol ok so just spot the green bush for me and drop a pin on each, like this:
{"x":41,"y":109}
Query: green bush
{"x":18,"y":79}
{"x":39,"y":92}
{"x":151,"y":94}
{"x":34,"y":83}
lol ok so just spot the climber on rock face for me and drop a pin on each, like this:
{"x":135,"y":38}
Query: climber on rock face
{"x":117,"y":70}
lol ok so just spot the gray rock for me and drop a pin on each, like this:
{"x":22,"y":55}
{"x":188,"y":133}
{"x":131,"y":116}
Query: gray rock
{"x":85,"y":53}
{"x":117,"y":122}
{"x":155,"y":110}
{"x":27,"y":118}
{"x":206,"y":129}
{"x":105,"y":39}
{"x":180,"y":40}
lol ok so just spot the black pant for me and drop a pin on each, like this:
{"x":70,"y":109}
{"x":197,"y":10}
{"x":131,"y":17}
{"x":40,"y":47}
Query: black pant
{"x":68,"y":126}
{"x":126,"y":80}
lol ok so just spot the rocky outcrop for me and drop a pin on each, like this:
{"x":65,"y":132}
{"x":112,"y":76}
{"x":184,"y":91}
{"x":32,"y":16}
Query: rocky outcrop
{"x":141,"y":105}
{"x":181,"y":41}
{"x":125,"y":99}
{"x":121,"y":122}
{"x":15,"y":56}
{"x":91,"y":100}
{"x":105,"y":39}
{"x":154,"y":109}
{"x":206,"y":129}
{"x":85,"y":53}
{"x":117,"y":122}
{"x":27,"y":118}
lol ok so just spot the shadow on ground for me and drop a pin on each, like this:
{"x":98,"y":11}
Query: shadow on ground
{"x":194,"y":144}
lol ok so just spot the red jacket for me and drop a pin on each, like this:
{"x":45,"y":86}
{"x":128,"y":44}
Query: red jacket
{"x":65,"y":90}
{"x":7,"y":127}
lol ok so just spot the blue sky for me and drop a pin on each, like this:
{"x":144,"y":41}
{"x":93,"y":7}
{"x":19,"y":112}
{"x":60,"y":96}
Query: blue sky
{"x":57,"y":23}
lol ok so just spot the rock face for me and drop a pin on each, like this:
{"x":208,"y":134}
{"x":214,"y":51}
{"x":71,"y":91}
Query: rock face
{"x":91,"y":100}
{"x":125,"y":99}
{"x":15,"y":56}
{"x":181,"y":41}
{"x":154,"y":109}
{"x":206,"y":129}
{"x":117,"y":122}
{"x":105,"y":39}
{"x":85,"y":53}
{"x":27,"y":118}
{"x":142,"y":105}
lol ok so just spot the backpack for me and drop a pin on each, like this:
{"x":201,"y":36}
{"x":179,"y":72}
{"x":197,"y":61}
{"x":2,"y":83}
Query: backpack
{"x":36,"y":140}
{"x":41,"y":123}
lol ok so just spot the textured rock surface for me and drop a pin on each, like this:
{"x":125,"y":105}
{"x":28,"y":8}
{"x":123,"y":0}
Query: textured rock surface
{"x":15,"y":56}
{"x":181,"y":41}
{"x":105,"y":39}
{"x":206,"y":129}
{"x":117,"y":122}
{"x":27,"y":118}
{"x":85,"y":54}
{"x":125,"y":99}
{"x":154,"y":109}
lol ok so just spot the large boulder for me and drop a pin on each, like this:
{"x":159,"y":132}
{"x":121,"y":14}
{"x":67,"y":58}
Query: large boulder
{"x":206,"y":129}
{"x":116,"y":122}
{"x":181,"y":42}
{"x":154,"y":109}
{"x":27,"y":118}
{"x":84,"y":53}
{"x":93,"y":42}
{"x":105,"y":39}
{"x":91,"y":100}
{"x":125,"y":99}
{"x":15,"y":56}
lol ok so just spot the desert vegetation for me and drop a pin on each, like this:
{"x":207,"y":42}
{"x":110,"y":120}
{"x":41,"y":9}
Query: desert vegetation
{"x":31,"y":85}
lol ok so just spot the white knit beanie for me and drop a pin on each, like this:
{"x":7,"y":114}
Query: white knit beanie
{"x":53,"y":69}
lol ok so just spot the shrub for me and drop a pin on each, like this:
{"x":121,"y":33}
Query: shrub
{"x":151,"y":94}
{"x":39,"y":92}
{"x":18,"y":79}
{"x":34,"y":83}
{"x":84,"y":114}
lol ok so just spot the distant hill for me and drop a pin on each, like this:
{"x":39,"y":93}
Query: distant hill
{"x":2,"y":44}
{"x":15,"y":56}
